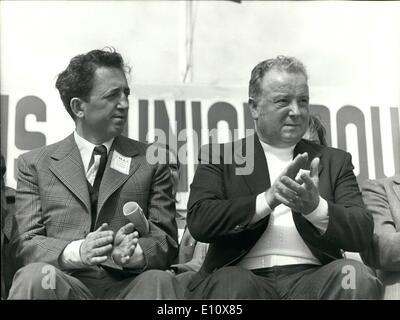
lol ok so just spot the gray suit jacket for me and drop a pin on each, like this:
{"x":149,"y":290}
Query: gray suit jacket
{"x":53,"y":203}
{"x":382,"y":199}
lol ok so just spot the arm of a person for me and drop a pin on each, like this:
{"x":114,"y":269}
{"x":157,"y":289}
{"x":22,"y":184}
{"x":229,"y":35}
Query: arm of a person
{"x":138,"y":259}
{"x":384,"y":251}
{"x":350,"y":226}
{"x":70,"y":258}
{"x":319,"y":217}
{"x":158,"y":248}
{"x":196,"y":262}
{"x":29,"y":240}
{"x":210,"y":214}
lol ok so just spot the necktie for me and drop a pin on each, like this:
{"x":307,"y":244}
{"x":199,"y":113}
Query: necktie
{"x":102,"y":151}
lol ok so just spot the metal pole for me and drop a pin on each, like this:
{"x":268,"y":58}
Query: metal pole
{"x":186,"y":29}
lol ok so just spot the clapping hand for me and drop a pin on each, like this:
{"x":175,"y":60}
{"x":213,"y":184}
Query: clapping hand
{"x":303,"y":192}
{"x":96,"y":246}
{"x":298,"y":193}
{"x":125,"y":243}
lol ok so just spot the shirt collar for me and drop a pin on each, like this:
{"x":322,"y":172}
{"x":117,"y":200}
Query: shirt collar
{"x":86,"y":148}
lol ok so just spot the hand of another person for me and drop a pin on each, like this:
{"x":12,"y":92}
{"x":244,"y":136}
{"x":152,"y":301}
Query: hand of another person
{"x":96,"y":246}
{"x":279,"y":191}
{"x":125,"y":244}
{"x":302,"y":194}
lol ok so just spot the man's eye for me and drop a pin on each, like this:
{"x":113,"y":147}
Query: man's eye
{"x":304,"y":100}
{"x":112,"y":95}
{"x":282,"y":102}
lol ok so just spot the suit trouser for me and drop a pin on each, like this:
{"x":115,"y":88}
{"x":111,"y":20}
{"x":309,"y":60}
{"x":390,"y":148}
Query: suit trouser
{"x":43,"y":281}
{"x":340,"y":279}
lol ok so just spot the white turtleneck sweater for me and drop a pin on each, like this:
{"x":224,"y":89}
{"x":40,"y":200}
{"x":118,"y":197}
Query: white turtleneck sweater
{"x":281,"y":243}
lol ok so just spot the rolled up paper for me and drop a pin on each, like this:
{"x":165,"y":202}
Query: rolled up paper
{"x":135,"y":214}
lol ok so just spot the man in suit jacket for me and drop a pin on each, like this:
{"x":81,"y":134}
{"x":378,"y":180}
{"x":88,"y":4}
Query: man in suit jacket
{"x":71,"y":238}
{"x":278,"y":210}
{"x":382,"y":200}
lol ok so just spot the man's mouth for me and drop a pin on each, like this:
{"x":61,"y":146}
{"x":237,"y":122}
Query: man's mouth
{"x":122,"y":117}
{"x":292,"y":124}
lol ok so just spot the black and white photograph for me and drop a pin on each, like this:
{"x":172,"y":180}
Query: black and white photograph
{"x":191,"y":151}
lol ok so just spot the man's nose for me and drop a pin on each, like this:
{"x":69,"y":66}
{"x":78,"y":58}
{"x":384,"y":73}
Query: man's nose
{"x":123,"y":102}
{"x":294,"y":108}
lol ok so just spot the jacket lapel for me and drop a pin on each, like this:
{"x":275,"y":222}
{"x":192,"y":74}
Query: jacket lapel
{"x":258,"y":180}
{"x":113,"y":179}
{"x":396,"y":186}
{"x":302,"y":147}
{"x":67,"y":166}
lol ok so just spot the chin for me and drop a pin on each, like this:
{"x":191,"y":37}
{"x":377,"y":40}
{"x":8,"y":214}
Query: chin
{"x":291,"y":141}
{"x":117,"y":130}
{"x":111,"y":134}
{"x":293,"y":136}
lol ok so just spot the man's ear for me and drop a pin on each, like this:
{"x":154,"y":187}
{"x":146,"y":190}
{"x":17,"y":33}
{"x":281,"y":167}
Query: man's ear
{"x":76,"y":107}
{"x":253,"y":109}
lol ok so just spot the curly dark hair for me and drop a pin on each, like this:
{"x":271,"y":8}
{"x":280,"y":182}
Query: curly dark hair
{"x":282,"y":63}
{"x":77,"y":79}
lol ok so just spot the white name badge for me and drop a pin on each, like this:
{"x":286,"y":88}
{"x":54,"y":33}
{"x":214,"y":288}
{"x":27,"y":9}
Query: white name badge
{"x":120,"y":163}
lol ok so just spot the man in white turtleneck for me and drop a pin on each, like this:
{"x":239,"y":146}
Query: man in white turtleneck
{"x":278,"y":232}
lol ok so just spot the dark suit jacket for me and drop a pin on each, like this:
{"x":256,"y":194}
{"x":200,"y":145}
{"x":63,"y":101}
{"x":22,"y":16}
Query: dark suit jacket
{"x":53,"y":202}
{"x":382,"y":200}
{"x":222,"y":203}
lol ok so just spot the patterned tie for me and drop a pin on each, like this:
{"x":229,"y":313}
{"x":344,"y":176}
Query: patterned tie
{"x":102,"y":151}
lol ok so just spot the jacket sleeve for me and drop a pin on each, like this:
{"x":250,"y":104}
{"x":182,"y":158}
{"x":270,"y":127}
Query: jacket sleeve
{"x":211,"y":215}
{"x":160,"y":245}
{"x":350,"y":226}
{"x":29,"y":239}
{"x":384,"y":251}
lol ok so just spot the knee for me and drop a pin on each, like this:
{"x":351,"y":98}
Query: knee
{"x":359,"y":278}
{"x":365,"y":278}
{"x":153,"y":285}
{"x":31,"y":274}
{"x":354,"y":269}
{"x":31,"y":280}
